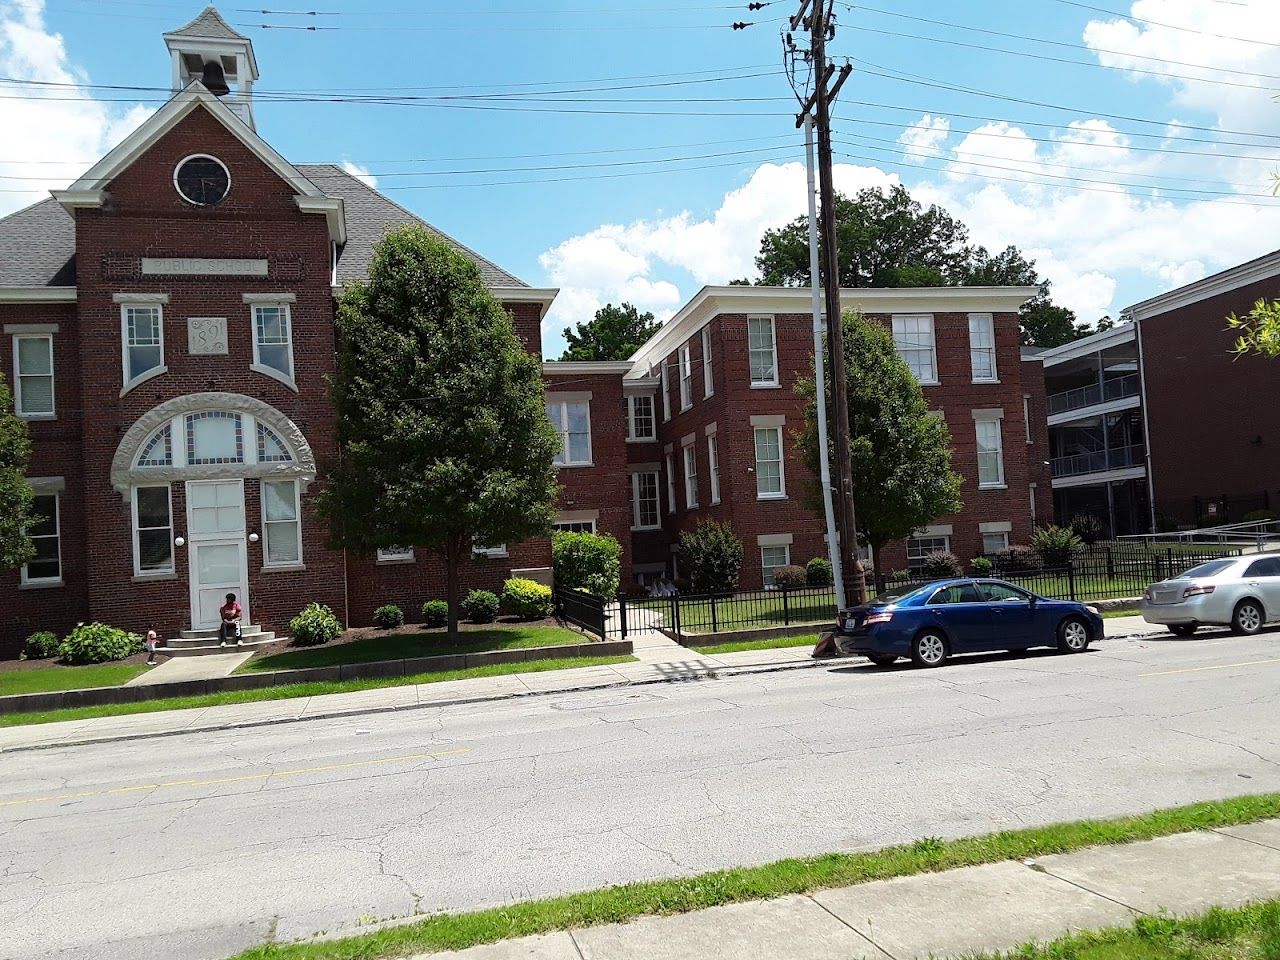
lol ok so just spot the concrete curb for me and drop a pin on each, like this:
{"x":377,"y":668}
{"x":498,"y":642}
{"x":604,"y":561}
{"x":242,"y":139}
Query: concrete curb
{"x":714,"y":673}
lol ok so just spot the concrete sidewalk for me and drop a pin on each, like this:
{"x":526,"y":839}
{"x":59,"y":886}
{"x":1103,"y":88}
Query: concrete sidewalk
{"x":993,"y":907}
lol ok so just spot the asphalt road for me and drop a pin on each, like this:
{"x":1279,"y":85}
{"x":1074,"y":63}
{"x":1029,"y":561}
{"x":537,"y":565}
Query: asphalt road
{"x":197,"y":846}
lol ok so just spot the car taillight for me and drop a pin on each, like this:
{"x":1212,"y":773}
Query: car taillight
{"x":1196,"y":591}
{"x":880,"y":616}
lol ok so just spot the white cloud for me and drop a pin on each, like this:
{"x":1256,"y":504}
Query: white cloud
{"x":924,"y":138}
{"x":57,"y":139}
{"x":361,"y":173}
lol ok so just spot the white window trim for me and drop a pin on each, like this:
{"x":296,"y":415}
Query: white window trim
{"x":671,"y":484}
{"x":297,"y":564}
{"x":764,"y":576}
{"x":395,"y":555}
{"x":782,"y":465}
{"x":933,"y":343}
{"x":773,"y":339}
{"x":635,"y":501}
{"x":927,"y":535}
{"x":163,"y":368}
{"x":686,"y":378}
{"x":689,"y":457}
{"x":257,"y":366}
{"x":496,"y":552}
{"x":708,"y":381}
{"x":984,"y":416}
{"x":666,"y":393}
{"x":995,"y":359}
{"x":631,"y":419}
{"x":1026,"y":416}
{"x":35,"y":582}
{"x":138,"y":572}
{"x":563,"y":402}
{"x":17,"y":379}
{"x":558,"y":525}
{"x":713,"y":466}
{"x":995,"y":533}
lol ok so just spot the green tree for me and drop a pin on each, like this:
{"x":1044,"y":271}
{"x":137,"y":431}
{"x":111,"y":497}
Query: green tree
{"x":901,"y":455}
{"x":1258,"y":332}
{"x":442,"y":426}
{"x":887,"y":239}
{"x":15,"y":492}
{"x":711,"y":554}
{"x":615,"y":334}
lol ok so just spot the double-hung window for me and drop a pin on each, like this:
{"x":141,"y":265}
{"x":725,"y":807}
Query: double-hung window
{"x":763,"y":351}
{"x":572,"y":420}
{"x":281,"y":523}
{"x":913,"y":337}
{"x":713,"y":466}
{"x":273,"y":341}
{"x":640,"y":418}
{"x":770,"y":479}
{"x":671,"y":485}
{"x":686,"y":377}
{"x":771,"y":558}
{"x":645,"y":508}
{"x":33,"y":375}
{"x":995,"y":542}
{"x":690,"y":454}
{"x":919,"y":548}
{"x":990,"y":452}
{"x":708,"y":384}
{"x":44,"y":532}
{"x":666,"y":393}
{"x":152,"y":531}
{"x":982,"y":347}
{"x":395,"y":554}
{"x":143,"y":332}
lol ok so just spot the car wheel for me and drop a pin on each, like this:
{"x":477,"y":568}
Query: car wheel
{"x":929,"y":649}
{"x":1184,"y":629}
{"x":882,"y":659}
{"x":1073,"y":635}
{"x":1248,"y":617}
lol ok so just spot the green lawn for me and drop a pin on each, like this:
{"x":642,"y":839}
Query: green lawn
{"x":404,"y":646}
{"x":291,"y":691}
{"x":773,"y":607}
{"x":49,"y":679}
{"x":767,"y":643}
{"x":619,"y":904}
{"x":1251,"y":933}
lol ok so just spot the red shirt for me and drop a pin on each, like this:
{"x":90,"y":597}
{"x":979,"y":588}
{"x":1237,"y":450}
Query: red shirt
{"x":230,"y":612}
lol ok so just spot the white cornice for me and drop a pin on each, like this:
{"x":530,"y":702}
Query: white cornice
{"x":544,"y":296}
{"x":37,"y":294}
{"x":712,"y":301}
{"x":1263,"y":268}
{"x":553,"y":367}
{"x":77,"y":199}
{"x":334,"y":211}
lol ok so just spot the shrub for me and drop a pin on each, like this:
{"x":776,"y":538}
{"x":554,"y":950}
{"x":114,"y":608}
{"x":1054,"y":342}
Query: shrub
{"x":1055,"y":545}
{"x":817,"y":572}
{"x":435,"y":613}
{"x":790,"y":577}
{"x":712,"y":556}
{"x":41,"y":645}
{"x":388,"y":616}
{"x":1258,"y":516}
{"x":315,"y":625}
{"x":982,"y":566}
{"x":480,"y":606}
{"x":1017,"y":559}
{"x":98,"y":643}
{"x":526,"y":599}
{"x":940,"y":565}
{"x":587,"y":561}
{"x":1087,"y":527}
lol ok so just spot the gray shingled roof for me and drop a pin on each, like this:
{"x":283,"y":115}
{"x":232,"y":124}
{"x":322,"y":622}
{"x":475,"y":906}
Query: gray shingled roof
{"x":38,"y":247}
{"x":370,"y":215}
{"x":208,"y":24}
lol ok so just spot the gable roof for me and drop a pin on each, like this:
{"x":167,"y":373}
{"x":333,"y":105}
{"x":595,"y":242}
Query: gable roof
{"x":1245,"y":274}
{"x":370,"y":215}
{"x":38,"y":247}
{"x":208,"y":24}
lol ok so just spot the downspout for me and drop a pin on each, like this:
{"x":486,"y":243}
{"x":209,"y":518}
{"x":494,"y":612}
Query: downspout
{"x":1146,"y":421}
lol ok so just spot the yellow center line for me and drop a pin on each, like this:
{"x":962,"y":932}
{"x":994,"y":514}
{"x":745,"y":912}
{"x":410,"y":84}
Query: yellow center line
{"x":1220,"y":666}
{"x":219,"y":781}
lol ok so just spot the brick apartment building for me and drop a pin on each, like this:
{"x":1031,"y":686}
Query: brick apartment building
{"x":168,"y":326}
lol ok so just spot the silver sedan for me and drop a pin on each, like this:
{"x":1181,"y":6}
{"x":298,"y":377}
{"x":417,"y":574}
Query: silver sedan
{"x":1242,"y":593}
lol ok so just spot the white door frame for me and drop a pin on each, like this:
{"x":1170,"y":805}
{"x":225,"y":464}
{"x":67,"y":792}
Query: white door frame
{"x":196,"y":541}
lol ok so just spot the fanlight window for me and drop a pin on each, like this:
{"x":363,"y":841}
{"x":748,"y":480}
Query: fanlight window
{"x":158,"y":451}
{"x":215,"y":437}
{"x":271,"y":449}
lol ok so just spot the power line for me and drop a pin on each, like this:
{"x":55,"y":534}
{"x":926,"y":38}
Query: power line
{"x":1167,"y":26}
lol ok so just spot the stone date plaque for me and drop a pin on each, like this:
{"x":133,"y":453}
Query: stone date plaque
{"x":207,"y":335}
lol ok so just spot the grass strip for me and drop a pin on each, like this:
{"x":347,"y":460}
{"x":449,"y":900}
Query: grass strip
{"x":294,"y":690}
{"x":53,"y":679}
{"x":1248,"y":933}
{"x":768,"y":643}
{"x":798,"y":875}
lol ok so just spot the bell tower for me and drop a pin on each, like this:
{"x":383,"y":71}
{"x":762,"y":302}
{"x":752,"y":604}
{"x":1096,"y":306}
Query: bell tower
{"x":209,"y":50}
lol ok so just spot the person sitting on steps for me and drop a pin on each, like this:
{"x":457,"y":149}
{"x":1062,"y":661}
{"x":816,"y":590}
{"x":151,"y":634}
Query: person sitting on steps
{"x":230,"y":626}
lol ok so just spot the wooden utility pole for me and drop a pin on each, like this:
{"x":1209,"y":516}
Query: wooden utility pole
{"x":821,"y":28}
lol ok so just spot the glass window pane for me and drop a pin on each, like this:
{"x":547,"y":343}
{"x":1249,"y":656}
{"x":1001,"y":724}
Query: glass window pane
{"x":142,"y":359}
{"x":282,"y":542}
{"x":35,"y":355}
{"x":45,"y":517}
{"x":280,"y":500}
{"x":214,"y":438}
{"x":37,"y":394}
{"x":153,"y":507}
{"x":155,"y":550}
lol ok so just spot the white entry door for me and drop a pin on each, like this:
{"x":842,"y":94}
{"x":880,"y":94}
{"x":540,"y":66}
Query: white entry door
{"x":219,"y":560}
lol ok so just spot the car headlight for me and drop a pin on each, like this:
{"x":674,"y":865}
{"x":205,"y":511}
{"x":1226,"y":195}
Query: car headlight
{"x":1095,"y":609}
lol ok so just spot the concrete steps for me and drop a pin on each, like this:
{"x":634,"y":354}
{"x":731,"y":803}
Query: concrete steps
{"x":198,"y":643}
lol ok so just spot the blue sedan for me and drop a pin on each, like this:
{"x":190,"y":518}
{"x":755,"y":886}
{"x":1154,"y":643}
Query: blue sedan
{"x":930,"y":623}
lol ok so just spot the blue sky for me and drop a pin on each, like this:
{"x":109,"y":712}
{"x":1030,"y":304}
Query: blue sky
{"x":1098,"y":214}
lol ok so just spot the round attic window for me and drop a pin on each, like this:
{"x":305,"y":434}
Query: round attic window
{"x":202,"y":180}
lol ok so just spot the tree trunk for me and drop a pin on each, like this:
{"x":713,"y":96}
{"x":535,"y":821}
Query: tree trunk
{"x":452,"y":558}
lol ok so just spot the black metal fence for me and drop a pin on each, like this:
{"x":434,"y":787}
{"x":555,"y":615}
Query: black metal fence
{"x":584,"y":610}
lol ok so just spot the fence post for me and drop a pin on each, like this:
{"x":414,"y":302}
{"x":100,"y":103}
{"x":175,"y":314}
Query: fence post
{"x":675,"y":607}
{"x":786,"y":609}
{"x":622,"y":612}
{"x":1168,"y":570}
{"x":714,"y":623}
{"x":1071,"y":577}
{"x":1111,"y":563}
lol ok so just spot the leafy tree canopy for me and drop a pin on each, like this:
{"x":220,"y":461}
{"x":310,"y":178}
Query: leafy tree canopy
{"x":901,"y":456}
{"x":887,"y":239}
{"x":615,"y":334}
{"x":1258,"y":332}
{"x":15,"y":492}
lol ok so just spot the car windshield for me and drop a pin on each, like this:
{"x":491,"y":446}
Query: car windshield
{"x":1210,"y":569}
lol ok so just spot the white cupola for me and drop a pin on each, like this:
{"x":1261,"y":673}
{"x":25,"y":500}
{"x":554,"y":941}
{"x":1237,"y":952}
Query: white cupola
{"x":209,"y":50}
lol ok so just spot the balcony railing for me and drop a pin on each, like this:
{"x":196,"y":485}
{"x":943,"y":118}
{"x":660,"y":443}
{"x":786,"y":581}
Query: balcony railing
{"x":1117,"y":458}
{"x":1121,"y":388}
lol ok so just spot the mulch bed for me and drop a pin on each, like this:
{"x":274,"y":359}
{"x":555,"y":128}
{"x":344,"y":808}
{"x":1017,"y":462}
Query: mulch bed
{"x":13,"y":666}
